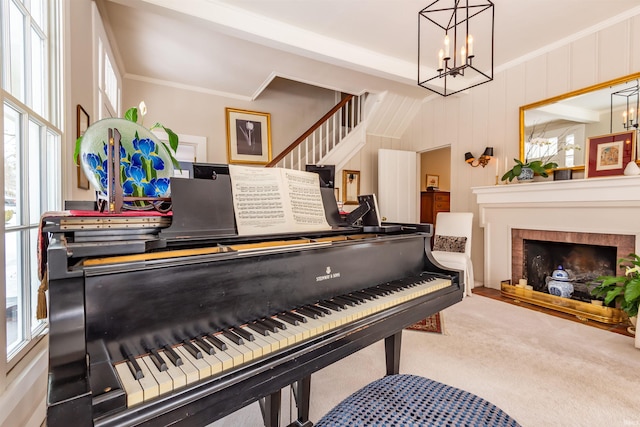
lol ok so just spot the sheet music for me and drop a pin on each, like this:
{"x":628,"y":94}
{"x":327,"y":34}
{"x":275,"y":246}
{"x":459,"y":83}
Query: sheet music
{"x":276,"y":200}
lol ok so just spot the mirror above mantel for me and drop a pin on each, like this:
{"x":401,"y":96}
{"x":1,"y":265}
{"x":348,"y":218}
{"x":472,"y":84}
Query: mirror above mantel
{"x":565,"y":122}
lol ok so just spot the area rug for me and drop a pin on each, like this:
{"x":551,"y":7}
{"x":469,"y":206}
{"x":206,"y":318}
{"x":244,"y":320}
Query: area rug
{"x":430,"y":324}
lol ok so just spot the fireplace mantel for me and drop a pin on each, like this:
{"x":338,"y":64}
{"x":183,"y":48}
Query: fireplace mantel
{"x":613,"y":189}
{"x":598,"y":205}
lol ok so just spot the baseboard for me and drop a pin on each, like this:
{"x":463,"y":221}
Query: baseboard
{"x":23,"y":403}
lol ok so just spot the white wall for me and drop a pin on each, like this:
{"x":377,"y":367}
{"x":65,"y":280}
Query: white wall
{"x":487,"y":115}
{"x":293,"y":107}
{"x":366,"y":161}
{"x":79,"y":88}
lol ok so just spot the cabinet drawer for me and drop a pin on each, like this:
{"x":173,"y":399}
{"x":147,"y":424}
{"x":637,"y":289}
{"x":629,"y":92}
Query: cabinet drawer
{"x":442,"y":206}
{"x":441,"y":197}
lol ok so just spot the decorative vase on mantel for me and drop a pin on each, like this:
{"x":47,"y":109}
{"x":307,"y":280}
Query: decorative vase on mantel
{"x":526,"y":174}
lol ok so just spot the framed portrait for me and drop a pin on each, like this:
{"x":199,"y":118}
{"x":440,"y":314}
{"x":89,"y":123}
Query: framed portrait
{"x":248,"y":137}
{"x":350,"y":187}
{"x":433,"y":181}
{"x":608,"y":155}
{"x":82,"y":124}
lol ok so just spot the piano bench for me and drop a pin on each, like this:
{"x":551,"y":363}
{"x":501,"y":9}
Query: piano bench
{"x":410,"y":400}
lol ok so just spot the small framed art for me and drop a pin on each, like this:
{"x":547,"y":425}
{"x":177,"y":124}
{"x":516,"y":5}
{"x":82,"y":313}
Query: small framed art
{"x":350,"y":186}
{"x":608,"y":155}
{"x":82,"y":124}
{"x":433,"y":181}
{"x":248,"y":137}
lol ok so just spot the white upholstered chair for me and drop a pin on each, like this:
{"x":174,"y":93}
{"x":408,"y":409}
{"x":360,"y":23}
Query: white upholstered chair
{"x":455,"y":224}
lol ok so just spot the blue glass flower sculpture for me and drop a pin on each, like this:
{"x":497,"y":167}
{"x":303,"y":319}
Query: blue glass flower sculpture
{"x":145,"y":162}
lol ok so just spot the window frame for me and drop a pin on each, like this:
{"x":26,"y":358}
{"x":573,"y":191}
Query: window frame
{"x":47,"y":123}
{"x":106,"y":107}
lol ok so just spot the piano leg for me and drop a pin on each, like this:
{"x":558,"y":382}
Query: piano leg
{"x":302,"y":395}
{"x":270,"y":408}
{"x":392,"y":353}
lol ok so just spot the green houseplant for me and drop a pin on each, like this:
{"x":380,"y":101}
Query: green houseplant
{"x":537,"y":166}
{"x":623,"y":290}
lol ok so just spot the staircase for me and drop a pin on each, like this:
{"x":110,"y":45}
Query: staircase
{"x":341,"y":128}
{"x":342,"y":132}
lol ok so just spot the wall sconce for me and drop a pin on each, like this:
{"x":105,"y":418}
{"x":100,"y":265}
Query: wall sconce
{"x":482,"y":161}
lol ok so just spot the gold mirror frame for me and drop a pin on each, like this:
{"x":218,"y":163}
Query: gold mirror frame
{"x":568,"y":95}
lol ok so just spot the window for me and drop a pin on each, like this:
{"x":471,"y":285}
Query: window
{"x":570,"y":154}
{"x":32,"y":145}
{"x":555,"y":144}
{"x":108,"y":84}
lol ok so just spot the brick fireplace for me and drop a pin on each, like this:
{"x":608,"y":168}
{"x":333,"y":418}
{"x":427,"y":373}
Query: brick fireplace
{"x":596,"y":211}
{"x":536,"y":253}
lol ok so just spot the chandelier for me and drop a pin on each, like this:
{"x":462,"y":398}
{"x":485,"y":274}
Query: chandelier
{"x":630,"y":113}
{"x":455,"y":45}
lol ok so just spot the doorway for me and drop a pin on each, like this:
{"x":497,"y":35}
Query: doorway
{"x":435,"y":183}
{"x":436,"y":163}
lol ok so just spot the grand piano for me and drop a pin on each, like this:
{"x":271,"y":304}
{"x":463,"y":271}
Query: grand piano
{"x":176,"y":319}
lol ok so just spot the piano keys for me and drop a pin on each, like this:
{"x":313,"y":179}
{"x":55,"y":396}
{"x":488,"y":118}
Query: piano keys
{"x":261,"y":342}
{"x":177,"y":330}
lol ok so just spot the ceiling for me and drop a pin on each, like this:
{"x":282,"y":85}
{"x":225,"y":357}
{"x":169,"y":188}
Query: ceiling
{"x":235,"y":48}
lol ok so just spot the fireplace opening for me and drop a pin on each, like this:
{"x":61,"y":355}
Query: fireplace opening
{"x":583,"y":262}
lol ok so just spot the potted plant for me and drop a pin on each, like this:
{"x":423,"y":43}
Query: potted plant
{"x":623,"y":290}
{"x":539,"y":156}
{"x":528,"y":168}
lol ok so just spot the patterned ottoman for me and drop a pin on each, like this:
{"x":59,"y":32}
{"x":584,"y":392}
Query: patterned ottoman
{"x":413,"y":401}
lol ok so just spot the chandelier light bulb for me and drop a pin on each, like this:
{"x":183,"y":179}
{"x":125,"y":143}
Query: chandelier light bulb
{"x":446,"y":47}
{"x":444,"y":29}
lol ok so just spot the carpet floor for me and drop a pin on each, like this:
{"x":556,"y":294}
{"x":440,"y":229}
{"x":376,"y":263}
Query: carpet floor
{"x":541,"y":370}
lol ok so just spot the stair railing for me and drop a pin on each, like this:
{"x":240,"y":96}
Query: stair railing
{"x":323,"y":136}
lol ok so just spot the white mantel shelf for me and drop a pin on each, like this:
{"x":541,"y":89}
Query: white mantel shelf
{"x":598,"y":205}
{"x":594,"y":190}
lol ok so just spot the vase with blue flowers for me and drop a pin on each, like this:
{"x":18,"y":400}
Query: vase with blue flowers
{"x":145,"y":162}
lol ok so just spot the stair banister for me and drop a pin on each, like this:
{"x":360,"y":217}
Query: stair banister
{"x":312,"y":129}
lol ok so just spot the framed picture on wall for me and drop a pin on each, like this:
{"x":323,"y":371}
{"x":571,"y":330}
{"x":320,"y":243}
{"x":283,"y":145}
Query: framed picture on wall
{"x":248,"y":137}
{"x":350,"y":187}
{"x":433,"y":181}
{"x":608,"y":155}
{"x":82,"y":124}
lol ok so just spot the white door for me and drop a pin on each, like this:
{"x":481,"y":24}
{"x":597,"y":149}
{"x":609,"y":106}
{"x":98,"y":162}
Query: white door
{"x":397,"y":185}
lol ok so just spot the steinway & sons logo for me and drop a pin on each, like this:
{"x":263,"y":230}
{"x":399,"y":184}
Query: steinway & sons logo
{"x":328,"y":275}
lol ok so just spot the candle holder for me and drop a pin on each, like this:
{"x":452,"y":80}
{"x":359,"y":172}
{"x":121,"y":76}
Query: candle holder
{"x":449,"y":33}
{"x":632,"y":105}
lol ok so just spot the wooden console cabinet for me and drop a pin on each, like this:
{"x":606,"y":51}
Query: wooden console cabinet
{"x":432,"y":202}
